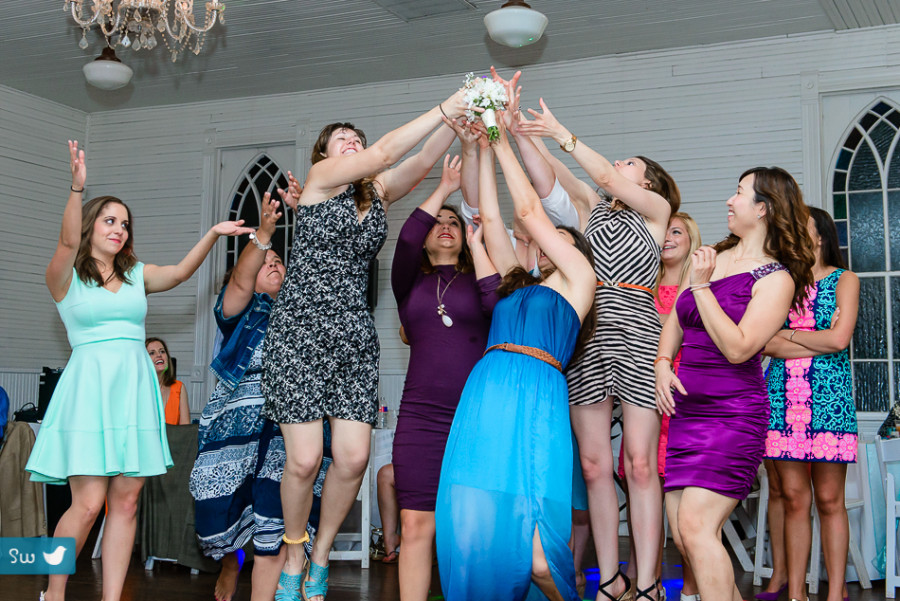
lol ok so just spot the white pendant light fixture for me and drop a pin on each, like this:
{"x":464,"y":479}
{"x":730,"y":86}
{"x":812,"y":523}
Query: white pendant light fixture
{"x":107,"y":72}
{"x":515,"y":24}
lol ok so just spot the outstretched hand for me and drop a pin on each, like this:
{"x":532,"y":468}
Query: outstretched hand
{"x":543,"y":125}
{"x":513,"y":94}
{"x":455,"y":106}
{"x":77,"y":165}
{"x":269,"y":215}
{"x":463,"y":130}
{"x":506,"y":82}
{"x":450,"y":178}
{"x":291,"y":196}
{"x":231,"y":228}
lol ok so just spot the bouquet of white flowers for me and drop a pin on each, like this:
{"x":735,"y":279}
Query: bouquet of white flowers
{"x":488,"y":94}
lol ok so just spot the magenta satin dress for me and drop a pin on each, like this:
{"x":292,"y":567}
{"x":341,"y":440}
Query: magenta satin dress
{"x":717,"y":436}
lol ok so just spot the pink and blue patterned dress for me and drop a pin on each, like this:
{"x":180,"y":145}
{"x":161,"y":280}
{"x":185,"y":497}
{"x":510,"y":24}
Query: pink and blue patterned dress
{"x":813,"y":417}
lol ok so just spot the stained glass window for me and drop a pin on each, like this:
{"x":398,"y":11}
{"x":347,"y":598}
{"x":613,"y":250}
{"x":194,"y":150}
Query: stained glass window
{"x":865,"y":189}
{"x":261,"y":176}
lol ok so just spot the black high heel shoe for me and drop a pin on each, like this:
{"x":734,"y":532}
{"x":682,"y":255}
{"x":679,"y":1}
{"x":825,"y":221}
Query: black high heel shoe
{"x":602,"y":587}
{"x":645,"y":592}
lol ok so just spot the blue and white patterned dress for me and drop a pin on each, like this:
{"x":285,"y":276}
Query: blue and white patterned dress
{"x":236,"y":480}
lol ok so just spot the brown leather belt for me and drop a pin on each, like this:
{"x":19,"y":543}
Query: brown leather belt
{"x":624,"y":285}
{"x":526,"y":350}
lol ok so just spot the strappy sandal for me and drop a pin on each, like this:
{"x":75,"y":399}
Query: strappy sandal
{"x":290,"y":584}
{"x":645,"y":592}
{"x":316,"y":582}
{"x":624,"y":595}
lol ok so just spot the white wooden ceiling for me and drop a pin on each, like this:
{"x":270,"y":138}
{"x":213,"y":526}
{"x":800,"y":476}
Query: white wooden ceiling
{"x":275,"y":46}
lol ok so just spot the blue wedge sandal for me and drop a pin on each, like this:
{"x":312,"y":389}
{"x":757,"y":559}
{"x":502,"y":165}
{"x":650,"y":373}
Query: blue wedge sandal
{"x":316,"y":582}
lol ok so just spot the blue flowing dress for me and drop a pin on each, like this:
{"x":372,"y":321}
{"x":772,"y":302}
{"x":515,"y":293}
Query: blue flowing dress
{"x":509,"y":458}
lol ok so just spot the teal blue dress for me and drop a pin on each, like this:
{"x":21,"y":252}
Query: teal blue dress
{"x":106,"y":416}
{"x":509,"y":459}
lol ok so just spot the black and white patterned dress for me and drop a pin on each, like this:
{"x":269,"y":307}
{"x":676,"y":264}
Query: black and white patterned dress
{"x":618,"y":361}
{"x":321,"y":351}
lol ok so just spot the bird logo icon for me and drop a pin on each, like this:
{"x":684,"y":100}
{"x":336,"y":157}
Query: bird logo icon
{"x":55,"y":558}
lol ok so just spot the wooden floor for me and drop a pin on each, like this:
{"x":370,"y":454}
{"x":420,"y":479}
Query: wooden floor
{"x":348,"y":582}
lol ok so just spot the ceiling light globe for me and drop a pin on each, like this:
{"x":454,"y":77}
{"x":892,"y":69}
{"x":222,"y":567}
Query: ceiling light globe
{"x":515,"y":26}
{"x":107,"y":75}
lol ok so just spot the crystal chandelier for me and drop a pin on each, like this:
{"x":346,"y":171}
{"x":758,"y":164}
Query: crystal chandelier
{"x":135,"y":22}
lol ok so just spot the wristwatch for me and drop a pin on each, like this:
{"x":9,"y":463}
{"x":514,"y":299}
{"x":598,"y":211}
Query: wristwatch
{"x":569,"y":145}
{"x":259,"y":244}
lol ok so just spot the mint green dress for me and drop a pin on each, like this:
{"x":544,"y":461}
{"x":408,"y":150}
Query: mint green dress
{"x":106,"y":416}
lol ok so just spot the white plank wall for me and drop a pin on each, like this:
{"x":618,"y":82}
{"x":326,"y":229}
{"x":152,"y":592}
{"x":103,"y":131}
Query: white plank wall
{"x":34,"y":184}
{"x":706,"y":113}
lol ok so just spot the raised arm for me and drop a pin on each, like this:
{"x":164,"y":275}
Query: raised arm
{"x":159,"y":278}
{"x":499,"y":246}
{"x":765,"y":314}
{"x":469,"y":170}
{"x":555,"y":198}
{"x":648,"y":203}
{"x":242,"y":284}
{"x":408,"y":251}
{"x":333,"y":172}
{"x":537,"y":167}
{"x":582,"y":196}
{"x":571,"y":264}
{"x":59,"y":272}
{"x":483,"y":265}
{"x":793,"y":344}
{"x":399,"y":181}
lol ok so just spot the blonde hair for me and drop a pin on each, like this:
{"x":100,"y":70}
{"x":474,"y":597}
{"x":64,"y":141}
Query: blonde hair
{"x":693,"y":233}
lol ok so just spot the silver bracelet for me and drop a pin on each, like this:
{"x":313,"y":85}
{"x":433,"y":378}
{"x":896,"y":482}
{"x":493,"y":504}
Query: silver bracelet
{"x":259,"y":244}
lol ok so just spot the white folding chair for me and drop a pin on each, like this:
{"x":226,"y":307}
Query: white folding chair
{"x":760,"y":570}
{"x":857,"y":476}
{"x":889,"y":452}
{"x":752,"y":533}
{"x":348,"y":541}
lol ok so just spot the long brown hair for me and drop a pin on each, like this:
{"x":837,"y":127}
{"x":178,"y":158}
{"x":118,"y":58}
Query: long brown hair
{"x":86,"y":265}
{"x":363,"y":189}
{"x":831,"y":249}
{"x":662,"y":183}
{"x":168,"y":376}
{"x":519,"y":277}
{"x":786,"y":218}
{"x":464,"y":262}
{"x":693,"y":233}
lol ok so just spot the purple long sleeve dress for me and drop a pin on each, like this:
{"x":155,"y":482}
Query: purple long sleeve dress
{"x":440,"y":358}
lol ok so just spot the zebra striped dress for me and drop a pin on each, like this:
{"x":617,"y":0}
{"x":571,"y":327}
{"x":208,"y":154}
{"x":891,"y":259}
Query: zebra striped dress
{"x":618,"y":361}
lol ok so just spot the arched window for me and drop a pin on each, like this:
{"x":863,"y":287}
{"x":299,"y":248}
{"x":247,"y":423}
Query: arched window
{"x":261,"y":175}
{"x":865,"y":187}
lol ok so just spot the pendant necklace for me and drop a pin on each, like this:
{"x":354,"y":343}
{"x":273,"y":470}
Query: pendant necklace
{"x":440,"y":299}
